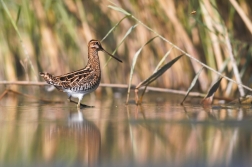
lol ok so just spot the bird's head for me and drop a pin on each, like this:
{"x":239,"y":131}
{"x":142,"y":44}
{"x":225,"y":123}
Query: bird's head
{"x":95,"y":44}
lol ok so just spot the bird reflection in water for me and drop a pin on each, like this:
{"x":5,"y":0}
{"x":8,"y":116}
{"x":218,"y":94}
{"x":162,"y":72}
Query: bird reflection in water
{"x":79,"y":138}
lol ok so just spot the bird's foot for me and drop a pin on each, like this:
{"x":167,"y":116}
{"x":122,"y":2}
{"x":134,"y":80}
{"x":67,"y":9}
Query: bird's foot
{"x":79,"y":105}
{"x":84,"y":106}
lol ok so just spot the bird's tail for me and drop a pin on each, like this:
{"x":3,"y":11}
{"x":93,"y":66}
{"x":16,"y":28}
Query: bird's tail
{"x":47,"y":77}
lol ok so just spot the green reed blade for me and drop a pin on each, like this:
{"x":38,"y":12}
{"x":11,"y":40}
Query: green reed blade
{"x":113,"y":28}
{"x":119,"y":10}
{"x":159,"y":64}
{"x":127,"y":33}
{"x":11,"y":19}
{"x":18,"y":14}
{"x":192,"y":85}
{"x":124,"y":37}
{"x":133,"y":65}
{"x":155,"y":75}
{"x":213,"y":89}
{"x":163,"y":59}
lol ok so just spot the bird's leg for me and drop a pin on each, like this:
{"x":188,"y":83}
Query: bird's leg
{"x":78,"y":105}
{"x":70,"y":100}
{"x":79,"y":102}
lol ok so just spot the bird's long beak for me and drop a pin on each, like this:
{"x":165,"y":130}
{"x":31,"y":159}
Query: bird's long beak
{"x":112,"y":55}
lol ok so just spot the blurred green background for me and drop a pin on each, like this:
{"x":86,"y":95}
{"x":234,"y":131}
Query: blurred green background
{"x":54,"y":36}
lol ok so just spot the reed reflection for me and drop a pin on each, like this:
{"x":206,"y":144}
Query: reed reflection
{"x":201,"y":137}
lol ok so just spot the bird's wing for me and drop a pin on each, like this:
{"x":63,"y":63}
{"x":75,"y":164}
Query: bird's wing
{"x":73,"y":79}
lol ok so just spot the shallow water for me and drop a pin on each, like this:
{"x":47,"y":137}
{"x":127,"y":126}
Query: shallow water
{"x":160,"y":132}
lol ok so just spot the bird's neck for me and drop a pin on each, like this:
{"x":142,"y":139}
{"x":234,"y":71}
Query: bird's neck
{"x":93,"y":59}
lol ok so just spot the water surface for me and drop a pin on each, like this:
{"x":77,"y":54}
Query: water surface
{"x":160,"y":132}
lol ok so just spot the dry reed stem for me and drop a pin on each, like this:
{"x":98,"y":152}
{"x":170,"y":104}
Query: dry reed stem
{"x":136,"y":97}
{"x":149,"y":88}
{"x":242,"y":14}
{"x":235,"y":68}
{"x":223,"y":37}
{"x":210,"y":19}
{"x":26,"y":95}
{"x":24,"y":83}
{"x":4,"y":93}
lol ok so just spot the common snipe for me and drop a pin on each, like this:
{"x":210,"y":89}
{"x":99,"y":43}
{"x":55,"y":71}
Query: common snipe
{"x":81,"y":82}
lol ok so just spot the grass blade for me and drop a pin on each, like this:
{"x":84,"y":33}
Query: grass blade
{"x":192,"y":85}
{"x":133,"y":66}
{"x":18,"y":14}
{"x":127,"y":33}
{"x":214,"y":88}
{"x":163,"y":59}
{"x":209,"y":97}
{"x":158,"y":66}
{"x":11,"y":19}
{"x":124,"y":37}
{"x":119,"y":10}
{"x":155,"y":75}
{"x":112,"y":29}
